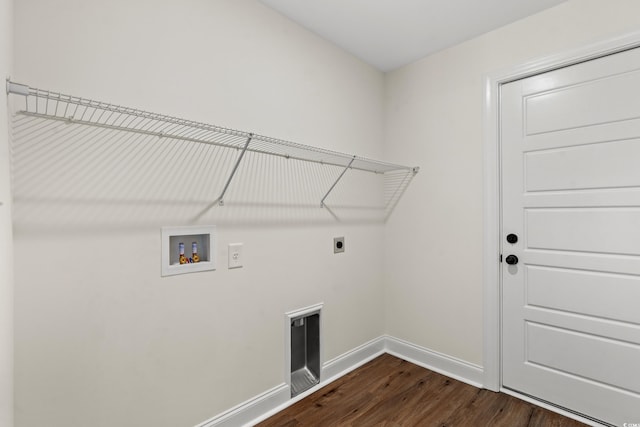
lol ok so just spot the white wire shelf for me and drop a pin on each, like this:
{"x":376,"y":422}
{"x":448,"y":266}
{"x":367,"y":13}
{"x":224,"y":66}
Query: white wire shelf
{"x":73,"y":109}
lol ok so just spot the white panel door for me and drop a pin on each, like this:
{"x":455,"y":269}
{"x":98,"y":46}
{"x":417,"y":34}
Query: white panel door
{"x":571,"y":194}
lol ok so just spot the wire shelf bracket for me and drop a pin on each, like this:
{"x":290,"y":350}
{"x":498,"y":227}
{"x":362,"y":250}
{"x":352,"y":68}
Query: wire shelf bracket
{"x":336,"y":182}
{"x":72,"y":109}
{"x":220,"y":200}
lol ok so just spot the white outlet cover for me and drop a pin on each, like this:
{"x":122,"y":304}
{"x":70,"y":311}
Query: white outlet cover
{"x":235,"y":255}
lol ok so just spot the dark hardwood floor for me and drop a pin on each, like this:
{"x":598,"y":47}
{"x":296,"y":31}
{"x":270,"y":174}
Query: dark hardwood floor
{"x":392,"y":392}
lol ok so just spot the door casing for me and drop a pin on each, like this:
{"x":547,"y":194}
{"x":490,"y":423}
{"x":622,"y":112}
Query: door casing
{"x":492,"y":202}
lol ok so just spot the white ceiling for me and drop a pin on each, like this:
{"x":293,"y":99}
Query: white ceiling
{"x":391,"y":33}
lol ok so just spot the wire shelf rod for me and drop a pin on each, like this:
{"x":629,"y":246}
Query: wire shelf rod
{"x":85,"y":111}
{"x":198,"y":140}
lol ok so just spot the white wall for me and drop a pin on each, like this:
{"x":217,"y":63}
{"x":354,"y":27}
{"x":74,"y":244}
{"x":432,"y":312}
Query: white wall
{"x":433,"y":242}
{"x":101,"y":339}
{"x":6,"y":248}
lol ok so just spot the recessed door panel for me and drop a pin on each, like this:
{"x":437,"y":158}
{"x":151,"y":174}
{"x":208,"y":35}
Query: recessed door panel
{"x":588,"y":293}
{"x":580,"y":355}
{"x":592,"y":166}
{"x":602,"y":100}
{"x":609,"y":230}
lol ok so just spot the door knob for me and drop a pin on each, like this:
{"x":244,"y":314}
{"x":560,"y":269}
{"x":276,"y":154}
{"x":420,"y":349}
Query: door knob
{"x":512,"y":260}
{"x":512,"y":238}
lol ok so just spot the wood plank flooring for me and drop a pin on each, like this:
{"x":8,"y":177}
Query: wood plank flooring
{"x":392,"y":392}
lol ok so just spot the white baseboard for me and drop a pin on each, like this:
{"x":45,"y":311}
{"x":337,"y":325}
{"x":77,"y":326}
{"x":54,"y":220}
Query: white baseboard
{"x":347,"y":362}
{"x":278,"y":398}
{"x":434,"y":361}
{"x":246,"y":412}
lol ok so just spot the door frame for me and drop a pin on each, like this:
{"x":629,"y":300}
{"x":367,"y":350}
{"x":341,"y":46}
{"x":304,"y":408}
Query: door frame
{"x":492,"y":203}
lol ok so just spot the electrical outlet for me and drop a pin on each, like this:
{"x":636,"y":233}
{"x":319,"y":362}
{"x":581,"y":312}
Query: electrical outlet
{"x":235,"y":255}
{"x":338,"y":245}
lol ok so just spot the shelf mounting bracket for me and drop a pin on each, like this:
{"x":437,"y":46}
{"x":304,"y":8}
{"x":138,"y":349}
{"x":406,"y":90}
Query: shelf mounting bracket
{"x":17,"y":88}
{"x":337,"y":180}
{"x":220,"y":200}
